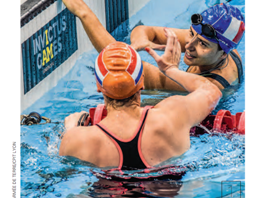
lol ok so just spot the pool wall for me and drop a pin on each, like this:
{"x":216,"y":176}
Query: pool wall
{"x":52,"y":39}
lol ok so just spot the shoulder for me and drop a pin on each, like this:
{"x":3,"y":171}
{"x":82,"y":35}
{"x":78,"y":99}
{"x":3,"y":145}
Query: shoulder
{"x":76,"y":139}
{"x":236,"y":52}
{"x":169,"y":124}
{"x":230,"y":73}
{"x":172,"y":101}
{"x":217,"y":82}
{"x":171,"y":110}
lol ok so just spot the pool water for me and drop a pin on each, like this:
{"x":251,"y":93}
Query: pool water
{"x":214,"y":165}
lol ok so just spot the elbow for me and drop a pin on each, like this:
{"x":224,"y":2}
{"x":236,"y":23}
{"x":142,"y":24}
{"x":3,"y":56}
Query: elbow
{"x":209,"y":88}
{"x":217,"y":92}
{"x":139,"y":27}
{"x":211,"y":92}
{"x":83,"y":16}
{"x":136,"y":30}
{"x":214,"y":95}
{"x":88,"y":17}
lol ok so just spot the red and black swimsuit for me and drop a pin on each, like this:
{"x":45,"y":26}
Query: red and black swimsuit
{"x":130,"y":149}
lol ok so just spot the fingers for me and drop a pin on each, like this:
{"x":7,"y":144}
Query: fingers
{"x":72,"y":120}
{"x":171,"y":37}
{"x":169,"y":32}
{"x":138,"y":47}
{"x":172,"y":53}
{"x":87,"y":121}
{"x":142,"y":45}
{"x":173,"y":47}
{"x":158,"y":47}
{"x":153,"y":53}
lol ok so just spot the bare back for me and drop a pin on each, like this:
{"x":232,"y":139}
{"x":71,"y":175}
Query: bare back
{"x":161,"y":139}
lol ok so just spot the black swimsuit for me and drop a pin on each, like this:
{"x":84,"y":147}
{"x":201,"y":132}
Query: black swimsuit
{"x":222,"y":80}
{"x":130,"y":150}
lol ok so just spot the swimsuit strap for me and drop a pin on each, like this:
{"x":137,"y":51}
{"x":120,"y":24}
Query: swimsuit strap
{"x":222,"y":80}
{"x":218,"y":78}
{"x":130,"y":150}
{"x":239,"y":65}
{"x":188,"y":69}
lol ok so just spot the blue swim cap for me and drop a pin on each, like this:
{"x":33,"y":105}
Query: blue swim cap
{"x":228,"y":23}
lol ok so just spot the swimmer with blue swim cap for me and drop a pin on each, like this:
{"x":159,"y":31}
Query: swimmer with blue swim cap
{"x":209,"y":45}
{"x":222,"y":24}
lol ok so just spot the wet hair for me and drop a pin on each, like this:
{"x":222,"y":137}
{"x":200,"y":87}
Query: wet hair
{"x":219,"y":48}
{"x":115,"y":103}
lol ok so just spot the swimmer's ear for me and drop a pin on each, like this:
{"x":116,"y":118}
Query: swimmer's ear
{"x":224,"y":55}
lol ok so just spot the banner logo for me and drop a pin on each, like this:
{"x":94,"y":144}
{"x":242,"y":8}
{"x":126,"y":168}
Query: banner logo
{"x":48,"y":48}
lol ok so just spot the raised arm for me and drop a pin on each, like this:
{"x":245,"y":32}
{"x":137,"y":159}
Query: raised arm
{"x":204,"y":96}
{"x":98,"y":35}
{"x":154,"y":37}
{"x":100,"y":38}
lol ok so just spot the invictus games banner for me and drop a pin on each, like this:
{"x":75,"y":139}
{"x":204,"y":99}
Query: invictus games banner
{"x":48,"y":48}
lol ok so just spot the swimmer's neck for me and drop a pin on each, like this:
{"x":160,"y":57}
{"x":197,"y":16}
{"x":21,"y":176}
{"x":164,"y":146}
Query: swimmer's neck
{"x":132,"y":109}
{"x":217,"y":65}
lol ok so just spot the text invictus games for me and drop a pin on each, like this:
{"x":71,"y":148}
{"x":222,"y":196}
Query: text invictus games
{"x":48,"y":48}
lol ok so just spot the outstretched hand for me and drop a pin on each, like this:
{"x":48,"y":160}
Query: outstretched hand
{"x":172,"y":55}
{"x":138,"y":46}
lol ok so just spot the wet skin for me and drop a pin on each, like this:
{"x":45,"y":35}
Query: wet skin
{"x":200,"y":51}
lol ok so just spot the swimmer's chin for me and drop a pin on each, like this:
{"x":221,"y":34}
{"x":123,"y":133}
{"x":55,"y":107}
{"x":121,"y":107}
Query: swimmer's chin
{"x":188,"y":62}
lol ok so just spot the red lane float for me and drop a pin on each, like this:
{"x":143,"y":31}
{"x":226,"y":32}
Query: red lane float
{"x":241,"y":125}
{"x":222,"y":122}
{"x":97,"y":114}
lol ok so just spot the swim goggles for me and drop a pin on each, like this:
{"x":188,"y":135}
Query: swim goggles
{"x":207,"y":29}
